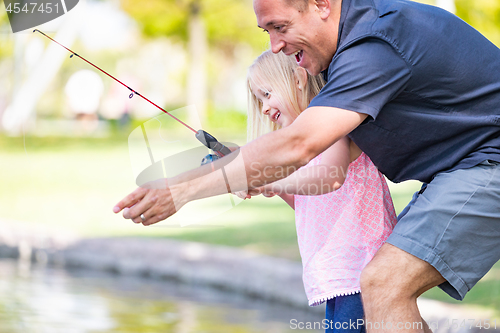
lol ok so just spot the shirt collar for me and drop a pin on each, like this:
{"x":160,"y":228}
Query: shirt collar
{"x":343,"y":13}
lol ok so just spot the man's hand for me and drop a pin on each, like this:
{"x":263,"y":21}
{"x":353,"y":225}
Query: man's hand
{"x":262,"y":161}
{"x":150,"y":203}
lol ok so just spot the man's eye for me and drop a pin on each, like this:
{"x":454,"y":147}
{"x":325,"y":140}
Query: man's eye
{"x":278,"y":28}
{"x":266,"y":31}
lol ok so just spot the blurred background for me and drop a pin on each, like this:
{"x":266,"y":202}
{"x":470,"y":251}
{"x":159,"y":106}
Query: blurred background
{"x":65,"y":159}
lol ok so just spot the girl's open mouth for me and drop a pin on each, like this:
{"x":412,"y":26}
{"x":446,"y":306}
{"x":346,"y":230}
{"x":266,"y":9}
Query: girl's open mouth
{"x":276,"y":116}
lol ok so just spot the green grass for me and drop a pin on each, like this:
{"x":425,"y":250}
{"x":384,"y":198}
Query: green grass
{"x":71,"y":185}
{"x":485,"y":294}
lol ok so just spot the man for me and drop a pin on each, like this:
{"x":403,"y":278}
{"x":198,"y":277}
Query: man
{"x":418,"y":90}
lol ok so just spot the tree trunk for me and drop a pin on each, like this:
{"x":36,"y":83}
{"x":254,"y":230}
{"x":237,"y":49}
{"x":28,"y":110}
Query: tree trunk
{"x":449,"y":5}
{"x":197,"y":76}
{"x":25,"y":98}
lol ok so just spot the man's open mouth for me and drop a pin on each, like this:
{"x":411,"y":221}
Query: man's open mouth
{"x":298,"y":55}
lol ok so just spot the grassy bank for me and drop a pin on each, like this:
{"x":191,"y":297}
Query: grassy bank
{"x":71,"y":185}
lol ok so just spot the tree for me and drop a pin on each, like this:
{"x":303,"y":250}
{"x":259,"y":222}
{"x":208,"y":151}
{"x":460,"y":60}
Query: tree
{"x":449,"y":5}
{"x":484,"y":15}
{"x":198,"y":24}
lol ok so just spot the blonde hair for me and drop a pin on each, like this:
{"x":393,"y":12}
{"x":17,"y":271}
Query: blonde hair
{"x":279,"y":72}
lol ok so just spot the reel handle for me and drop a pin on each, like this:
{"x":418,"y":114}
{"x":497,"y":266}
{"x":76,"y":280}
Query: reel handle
{"x":211,"y":142}
{"x":209,"y":159}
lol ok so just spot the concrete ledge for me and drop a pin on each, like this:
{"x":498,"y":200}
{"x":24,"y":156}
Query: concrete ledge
{"x":227,"y":268}
{"x":222,"y":267}
{"x":255,"y":275}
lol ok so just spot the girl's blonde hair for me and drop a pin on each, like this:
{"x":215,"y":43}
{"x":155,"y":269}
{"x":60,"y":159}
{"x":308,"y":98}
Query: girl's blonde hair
{"x":279,"y":72}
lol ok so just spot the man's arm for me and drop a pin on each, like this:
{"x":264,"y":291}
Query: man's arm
{"x":319,"y":179}
{"x":311,"y":133}
{"x":323,"y":178}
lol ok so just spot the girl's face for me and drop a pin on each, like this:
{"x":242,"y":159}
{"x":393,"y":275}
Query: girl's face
{"x":273,"y":107}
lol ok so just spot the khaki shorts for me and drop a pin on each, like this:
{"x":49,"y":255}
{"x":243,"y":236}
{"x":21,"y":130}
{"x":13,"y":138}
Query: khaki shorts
{"x":453,"y":223}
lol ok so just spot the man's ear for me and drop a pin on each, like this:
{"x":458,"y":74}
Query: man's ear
{"x":300,"y":78}
{"x":324,"y":8}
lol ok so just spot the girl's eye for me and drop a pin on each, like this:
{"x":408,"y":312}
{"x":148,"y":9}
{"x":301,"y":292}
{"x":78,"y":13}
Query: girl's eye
{"x":267,"y":94}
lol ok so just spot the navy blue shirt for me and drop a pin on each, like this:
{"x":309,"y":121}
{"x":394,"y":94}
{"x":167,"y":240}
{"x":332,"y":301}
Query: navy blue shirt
{"x":429,"y":83}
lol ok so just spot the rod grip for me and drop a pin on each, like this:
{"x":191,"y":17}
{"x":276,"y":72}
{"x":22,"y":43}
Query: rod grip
{"x":211,"y":142}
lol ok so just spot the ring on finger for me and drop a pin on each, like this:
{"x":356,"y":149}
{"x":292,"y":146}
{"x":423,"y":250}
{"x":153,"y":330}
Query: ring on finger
{"x":143,"y":218}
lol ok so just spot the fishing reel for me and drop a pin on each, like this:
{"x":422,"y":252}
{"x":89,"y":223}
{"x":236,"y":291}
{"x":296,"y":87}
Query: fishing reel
{"x":209,"y":159}
{"x":211,"y":142}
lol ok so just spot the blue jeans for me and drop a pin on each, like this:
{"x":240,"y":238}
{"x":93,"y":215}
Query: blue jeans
{"x":345,"y":314}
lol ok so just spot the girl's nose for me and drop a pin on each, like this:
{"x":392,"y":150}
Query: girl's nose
{"x":265,"y":109}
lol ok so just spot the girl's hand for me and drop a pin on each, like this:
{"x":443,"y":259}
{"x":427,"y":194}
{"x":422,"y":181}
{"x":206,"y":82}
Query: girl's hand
{"x":242,"y":195}
{"x":250,"y":193}
{"x":268,"y":194}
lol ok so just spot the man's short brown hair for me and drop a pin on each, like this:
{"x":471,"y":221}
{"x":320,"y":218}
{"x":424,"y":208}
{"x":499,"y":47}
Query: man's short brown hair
{"x":300,"y":5}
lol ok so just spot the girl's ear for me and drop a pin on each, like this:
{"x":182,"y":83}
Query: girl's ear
{"x":300,"y":78}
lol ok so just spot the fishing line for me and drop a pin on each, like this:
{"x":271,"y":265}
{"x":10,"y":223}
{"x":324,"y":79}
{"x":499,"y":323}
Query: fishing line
{"x":133,"y":92}
{"x":204,"y":137}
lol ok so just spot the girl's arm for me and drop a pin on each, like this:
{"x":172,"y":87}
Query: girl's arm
{"x":289,"y":199}
{"x":326,"y":177}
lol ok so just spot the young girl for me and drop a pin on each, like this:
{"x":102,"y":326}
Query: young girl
{"x":343,"y":207}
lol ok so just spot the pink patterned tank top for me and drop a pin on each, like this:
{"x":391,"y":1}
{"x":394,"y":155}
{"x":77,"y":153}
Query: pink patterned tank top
{"x":340,"y":232}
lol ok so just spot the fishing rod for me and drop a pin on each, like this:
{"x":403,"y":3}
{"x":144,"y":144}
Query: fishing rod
{"x":204,"y":137}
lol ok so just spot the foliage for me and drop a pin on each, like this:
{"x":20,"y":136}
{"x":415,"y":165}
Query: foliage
{"x":486,"y":293}
{"x":227,"y":121}
{"x":227,"y":21}
{"x":484,"y":15}
{"x":3,"y":16}
{"x":6,"y":44}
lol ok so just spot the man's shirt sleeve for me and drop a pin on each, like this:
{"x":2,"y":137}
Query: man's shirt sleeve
{"x":364,"y":77}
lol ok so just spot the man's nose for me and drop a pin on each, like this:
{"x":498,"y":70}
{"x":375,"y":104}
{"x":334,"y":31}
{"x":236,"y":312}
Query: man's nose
{"x":277,"y":43}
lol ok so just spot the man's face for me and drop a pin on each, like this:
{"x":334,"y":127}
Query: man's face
{"x":302,"y":34}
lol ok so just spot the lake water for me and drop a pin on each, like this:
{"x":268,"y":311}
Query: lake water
{"x":51,"y":300}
